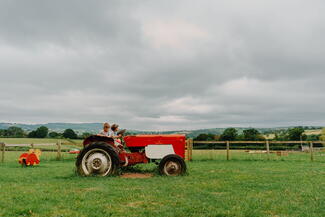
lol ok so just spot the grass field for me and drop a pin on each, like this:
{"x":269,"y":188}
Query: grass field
{"x":246,"y":186}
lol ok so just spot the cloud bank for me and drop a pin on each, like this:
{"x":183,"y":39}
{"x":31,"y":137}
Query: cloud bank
{"x":163,"y":65}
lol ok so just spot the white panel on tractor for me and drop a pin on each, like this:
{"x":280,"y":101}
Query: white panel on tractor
{"x":159,"y":151}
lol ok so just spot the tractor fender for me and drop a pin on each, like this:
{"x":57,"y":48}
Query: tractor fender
{"x":95,"y":138}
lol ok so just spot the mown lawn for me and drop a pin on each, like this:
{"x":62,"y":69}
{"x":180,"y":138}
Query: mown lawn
{"x":247,"y":186}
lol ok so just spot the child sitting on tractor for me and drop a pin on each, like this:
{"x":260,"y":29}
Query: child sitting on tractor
{"x":116,"y":136}
{"x":113,"y":133}
{"x":105,"y":131}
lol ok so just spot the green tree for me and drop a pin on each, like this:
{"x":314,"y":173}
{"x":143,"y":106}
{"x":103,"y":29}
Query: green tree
{"x":15,"y":132}
{"x":252,"y":135}
{"x":2,"y":133}
{"x":32,"y":134}
{"x":229,"y":134}
{"x":86,"y":134}
{"x":42,"y":132}
{"x":69,"y":134}
{"x":205,"y":137}
{"x":276,"y":136}
{"x":313,"y":138}
{"x":54,"y":134}
{"x":296,"y":134}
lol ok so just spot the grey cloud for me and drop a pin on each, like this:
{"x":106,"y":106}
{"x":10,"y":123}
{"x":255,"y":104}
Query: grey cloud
{"x":163,"y":65}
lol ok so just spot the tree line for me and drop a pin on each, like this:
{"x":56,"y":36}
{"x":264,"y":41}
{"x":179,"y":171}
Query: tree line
{"x":41,"y":132}
{"x":232,"y":134}
{"x":229,"y":134}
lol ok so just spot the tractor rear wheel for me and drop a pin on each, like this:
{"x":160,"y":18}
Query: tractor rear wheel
{"x":172,"y":165}
{"x":97,"y":159}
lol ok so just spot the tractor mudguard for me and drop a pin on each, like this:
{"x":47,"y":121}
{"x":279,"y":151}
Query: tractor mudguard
{"x":95,"y":138}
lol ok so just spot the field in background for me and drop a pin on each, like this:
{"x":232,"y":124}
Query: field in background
{"x":313,"y":132}
{"x":307,"y":132}
{"x":249,"y":185}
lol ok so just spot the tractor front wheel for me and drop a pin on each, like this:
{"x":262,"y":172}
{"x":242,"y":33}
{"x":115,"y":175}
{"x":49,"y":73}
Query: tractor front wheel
{"x":172,"y":165}
{"x":97,"y":159}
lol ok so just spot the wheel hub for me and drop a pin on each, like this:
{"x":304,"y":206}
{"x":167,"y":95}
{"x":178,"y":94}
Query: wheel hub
{"x":172,"y":168}
{"x":97,"y":162}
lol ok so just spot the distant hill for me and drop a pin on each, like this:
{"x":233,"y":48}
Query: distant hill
{"x":95,"y":127}
{"x":58,"y":127}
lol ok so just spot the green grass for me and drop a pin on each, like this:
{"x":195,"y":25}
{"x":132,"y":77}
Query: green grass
{"x":246,"y":186}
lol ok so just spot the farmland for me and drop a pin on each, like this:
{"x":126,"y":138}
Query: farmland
{"x":248,"y":185}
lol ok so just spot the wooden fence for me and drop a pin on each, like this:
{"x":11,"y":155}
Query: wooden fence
{"x":188,"y":149}
{"x":3,"y":148}
{"x":267,"y":145}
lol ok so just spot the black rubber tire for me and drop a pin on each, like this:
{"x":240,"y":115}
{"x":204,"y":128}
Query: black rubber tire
{"x":103,"y":147}
{"x":175,"y":159}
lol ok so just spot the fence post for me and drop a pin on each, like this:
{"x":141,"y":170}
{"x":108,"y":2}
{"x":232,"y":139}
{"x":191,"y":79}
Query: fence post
{"x":58,"y":157}
{"x":32,"y":145}
{"x":228,"y":147}
{"x":268,"y":149}
{"x":311,"y":149}
{"x":3,"y":147}
{"x":191,"y":149}
{"x":186,"y":149}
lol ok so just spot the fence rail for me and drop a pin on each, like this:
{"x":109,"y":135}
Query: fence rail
{"x":32,"y":145}
{"x":188,"y":146}
{"x":267,"y":143}
{"x":258,"y":142}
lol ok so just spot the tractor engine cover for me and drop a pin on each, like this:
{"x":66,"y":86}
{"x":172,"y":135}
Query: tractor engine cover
{"x":157,"y":146}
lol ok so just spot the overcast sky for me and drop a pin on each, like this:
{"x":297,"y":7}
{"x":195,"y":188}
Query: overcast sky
{"x":158,"y":65}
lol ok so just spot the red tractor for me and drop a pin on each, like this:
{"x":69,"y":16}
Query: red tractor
{"x":102,"y":156}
